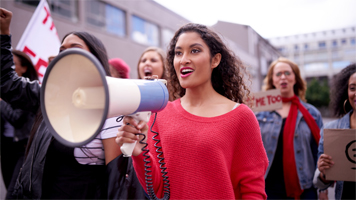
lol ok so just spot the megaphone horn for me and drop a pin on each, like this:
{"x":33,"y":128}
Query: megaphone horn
{"x":77,"y":97}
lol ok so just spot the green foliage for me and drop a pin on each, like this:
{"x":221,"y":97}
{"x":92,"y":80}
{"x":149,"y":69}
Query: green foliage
{"x":318,"y":93}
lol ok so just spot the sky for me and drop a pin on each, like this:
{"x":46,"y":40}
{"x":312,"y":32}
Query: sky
{"x":270,"y":18}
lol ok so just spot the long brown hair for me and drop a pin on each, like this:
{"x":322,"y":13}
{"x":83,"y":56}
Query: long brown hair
{"x":300,"y":86}
{"x":25,"y":60}
{"x":227,"y":78}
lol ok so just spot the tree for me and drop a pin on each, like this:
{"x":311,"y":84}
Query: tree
{"x":318,"y":93}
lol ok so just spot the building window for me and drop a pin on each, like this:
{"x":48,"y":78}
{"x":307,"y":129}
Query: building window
{"x":144,"y":32}
{"x":353,"y":41}
{"x":167,"y":36}
{"x":106,"y":17}
{"x":340,"y":64}
{"x":281,"y":49}
{"x":296,"y":58}
{"x":296,"y":47}
{"x":316,"y":66}
{"x":65,"y":8}
{"x":306,"y":46}
{"x":115,"y":20}
{"x":334,"y":43}
{"x":322,"y":45}
{"x":31,"y":3}
{"x":343,"y":41}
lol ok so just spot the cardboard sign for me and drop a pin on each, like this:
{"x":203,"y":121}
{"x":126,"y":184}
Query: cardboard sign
{"x":340,"y":144}
{"x":266,"y":101}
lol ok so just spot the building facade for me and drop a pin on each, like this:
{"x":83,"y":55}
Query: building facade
{"x":320,"y":54}
{"x":254,"y":51}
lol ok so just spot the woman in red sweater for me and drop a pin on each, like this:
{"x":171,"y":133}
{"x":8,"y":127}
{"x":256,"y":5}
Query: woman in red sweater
{"x":211,"y":142}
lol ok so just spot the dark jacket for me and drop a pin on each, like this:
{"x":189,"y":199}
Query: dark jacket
{"x":22,"y":93}
{"x":21,"y":120}
{"x":122,"y":180}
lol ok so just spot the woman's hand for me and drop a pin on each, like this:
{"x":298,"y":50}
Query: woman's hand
{"x":5,"y":20}
{"x":323,"y":195}
{"x":128,"y":134}
{"x":324,"y":162}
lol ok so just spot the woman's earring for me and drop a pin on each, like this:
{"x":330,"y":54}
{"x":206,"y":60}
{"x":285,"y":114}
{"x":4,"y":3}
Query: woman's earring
{"x":345,"y":105}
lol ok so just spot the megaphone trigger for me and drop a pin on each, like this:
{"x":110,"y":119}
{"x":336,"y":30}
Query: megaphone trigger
{"x":127,"y":148}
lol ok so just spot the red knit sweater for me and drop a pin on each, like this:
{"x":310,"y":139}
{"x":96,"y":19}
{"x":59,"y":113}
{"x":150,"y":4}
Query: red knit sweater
{"x":207,"y":157}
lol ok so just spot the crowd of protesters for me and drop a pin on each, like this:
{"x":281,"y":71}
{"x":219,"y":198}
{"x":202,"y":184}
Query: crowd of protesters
{"x":214,"y":146}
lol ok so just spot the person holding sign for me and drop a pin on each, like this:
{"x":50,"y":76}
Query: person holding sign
{"x":343,"y":101}
{"x":290,"y":135}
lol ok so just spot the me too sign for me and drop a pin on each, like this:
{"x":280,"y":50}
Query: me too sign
{"x":266,"y":101}
{"x":40,"y":39}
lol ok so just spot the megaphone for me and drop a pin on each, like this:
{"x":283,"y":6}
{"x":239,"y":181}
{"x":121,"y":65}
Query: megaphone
{"x":77,"y":98}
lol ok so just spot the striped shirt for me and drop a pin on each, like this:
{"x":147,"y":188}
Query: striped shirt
{"x":93,"y":152}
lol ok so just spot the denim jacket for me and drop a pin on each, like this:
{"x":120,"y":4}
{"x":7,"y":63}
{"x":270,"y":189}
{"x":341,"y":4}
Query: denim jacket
{"x":305,"y":148}
{"x":343,"y":123}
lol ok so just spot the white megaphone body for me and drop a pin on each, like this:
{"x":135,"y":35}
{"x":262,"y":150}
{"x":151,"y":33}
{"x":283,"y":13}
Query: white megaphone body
{"x":77,"y":98}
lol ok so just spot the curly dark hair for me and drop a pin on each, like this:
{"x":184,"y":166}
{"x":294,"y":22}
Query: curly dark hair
{"x":227,"y":78}
{"x":339,"y":91}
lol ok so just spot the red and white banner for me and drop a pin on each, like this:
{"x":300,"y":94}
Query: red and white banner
{"x":40,"y":39}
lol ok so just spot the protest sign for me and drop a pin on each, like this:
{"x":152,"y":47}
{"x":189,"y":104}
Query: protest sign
{"x":266,"y":100}
{"x":340,"y":144}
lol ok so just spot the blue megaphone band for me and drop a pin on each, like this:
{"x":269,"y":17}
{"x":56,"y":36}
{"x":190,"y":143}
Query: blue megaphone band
{"x":154,"y":96}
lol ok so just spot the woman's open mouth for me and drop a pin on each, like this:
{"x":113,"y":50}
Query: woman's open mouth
{"x":185,"y":71}
{"x":148,"y":72}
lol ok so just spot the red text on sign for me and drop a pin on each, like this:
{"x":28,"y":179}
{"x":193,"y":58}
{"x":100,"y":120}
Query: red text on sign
{"x":260,"y":102}
{"x":270,"y":100}
{"x":274,"y":99}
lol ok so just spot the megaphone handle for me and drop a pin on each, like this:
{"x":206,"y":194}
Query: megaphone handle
{"x":127,"y":148}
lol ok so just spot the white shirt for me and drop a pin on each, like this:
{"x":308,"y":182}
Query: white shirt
{"x":93,"y":152}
